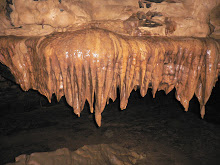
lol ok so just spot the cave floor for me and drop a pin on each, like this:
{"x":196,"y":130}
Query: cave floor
{"x":157,"y":128}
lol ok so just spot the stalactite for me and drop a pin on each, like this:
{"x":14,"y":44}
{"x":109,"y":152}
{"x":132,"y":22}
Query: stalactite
{"x":93,"y":63}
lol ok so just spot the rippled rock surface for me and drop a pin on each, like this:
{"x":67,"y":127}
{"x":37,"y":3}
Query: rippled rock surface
{"x":91,"y":64}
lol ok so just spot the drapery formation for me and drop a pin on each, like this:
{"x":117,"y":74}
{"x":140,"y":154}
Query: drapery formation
{"x":91,"y":64}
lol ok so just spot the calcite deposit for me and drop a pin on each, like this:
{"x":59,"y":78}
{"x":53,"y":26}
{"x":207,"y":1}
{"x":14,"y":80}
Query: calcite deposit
{"x":87,"y":49}
{"x":92,"y":63}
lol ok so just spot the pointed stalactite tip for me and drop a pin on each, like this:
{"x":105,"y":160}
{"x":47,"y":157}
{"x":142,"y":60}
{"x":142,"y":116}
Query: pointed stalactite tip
{"x":98,"y":118}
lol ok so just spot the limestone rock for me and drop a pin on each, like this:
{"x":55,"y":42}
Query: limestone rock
{"x":191,"y":18}
{"x":78,"y":65}
{"x":215,"y":22}
{"x":100,"y":154}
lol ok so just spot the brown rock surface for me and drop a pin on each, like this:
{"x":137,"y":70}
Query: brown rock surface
{"x":90,"y":154}
{"x":215,"y":22}
{"x":91,"y":62}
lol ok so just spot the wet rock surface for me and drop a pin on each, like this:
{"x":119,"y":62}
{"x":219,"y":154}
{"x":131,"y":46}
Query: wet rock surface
{"x":80,"y":67}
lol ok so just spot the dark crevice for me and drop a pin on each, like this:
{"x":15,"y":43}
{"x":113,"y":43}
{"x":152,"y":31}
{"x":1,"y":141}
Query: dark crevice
{"x":148,"y":3}
{"x":8,"y":9}
{"x":6,"y":73}
{"x":9,"y":2}
{"x":155,"y":1}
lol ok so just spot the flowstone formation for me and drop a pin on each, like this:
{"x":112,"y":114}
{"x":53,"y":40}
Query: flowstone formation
{"x":86,"y":49}
{"x":91,"y":62}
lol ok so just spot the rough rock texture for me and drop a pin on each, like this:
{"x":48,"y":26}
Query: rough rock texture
{"x":215,"y":22}
{"x":168,"y":18}
{"x":90,"y":154}
{"x":91,"y":62}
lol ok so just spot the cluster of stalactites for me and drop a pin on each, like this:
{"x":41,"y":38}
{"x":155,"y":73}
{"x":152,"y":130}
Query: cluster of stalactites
{"x":93,"y":63}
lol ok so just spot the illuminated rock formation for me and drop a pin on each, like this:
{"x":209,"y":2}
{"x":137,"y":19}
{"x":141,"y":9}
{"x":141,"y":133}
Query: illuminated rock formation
{"x":93,"y":63}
